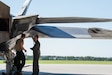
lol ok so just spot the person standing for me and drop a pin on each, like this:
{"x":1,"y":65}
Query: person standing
{"x":36,"y":55}
{"x":19,"y":60}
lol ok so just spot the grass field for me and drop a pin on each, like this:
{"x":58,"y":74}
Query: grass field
{"x":65,"y":62}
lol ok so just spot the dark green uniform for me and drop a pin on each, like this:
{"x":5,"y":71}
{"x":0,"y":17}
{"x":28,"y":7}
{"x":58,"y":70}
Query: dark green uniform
{"x":36,"y":55}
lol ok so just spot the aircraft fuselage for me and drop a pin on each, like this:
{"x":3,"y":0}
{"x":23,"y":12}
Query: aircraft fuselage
{"x":5,"y":22}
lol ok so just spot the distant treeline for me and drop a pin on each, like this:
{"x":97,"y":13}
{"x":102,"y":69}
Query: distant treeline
{"x":86,"y":58}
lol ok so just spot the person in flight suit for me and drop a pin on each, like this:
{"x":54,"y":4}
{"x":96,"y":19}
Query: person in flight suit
{"x":36,"y":55}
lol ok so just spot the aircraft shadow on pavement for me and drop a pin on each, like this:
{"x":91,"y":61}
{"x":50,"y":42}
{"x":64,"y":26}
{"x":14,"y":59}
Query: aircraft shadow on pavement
{"x":45,"y":73}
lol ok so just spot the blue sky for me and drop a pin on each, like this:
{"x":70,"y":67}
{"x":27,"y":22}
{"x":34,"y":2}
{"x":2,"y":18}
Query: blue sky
{"x":70,"y":8}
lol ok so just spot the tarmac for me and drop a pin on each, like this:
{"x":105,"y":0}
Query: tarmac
{"x":66,"y":69}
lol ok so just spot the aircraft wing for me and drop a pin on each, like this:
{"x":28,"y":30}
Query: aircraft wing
{"x":73,"y":32}
{"x":71,"y":20}
{"x":24,"y":23}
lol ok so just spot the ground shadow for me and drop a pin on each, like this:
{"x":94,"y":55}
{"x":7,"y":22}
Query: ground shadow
{"x":45,"y":73}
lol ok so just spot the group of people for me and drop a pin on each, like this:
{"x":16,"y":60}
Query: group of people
{"x":19,"y":60}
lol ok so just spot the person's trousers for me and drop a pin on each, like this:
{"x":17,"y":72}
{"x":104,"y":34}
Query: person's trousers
{"x":36,"y":63}
{"x":19,"y":61}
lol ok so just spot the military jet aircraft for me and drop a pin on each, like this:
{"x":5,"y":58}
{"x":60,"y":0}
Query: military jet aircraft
{"x":12,"y":26}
